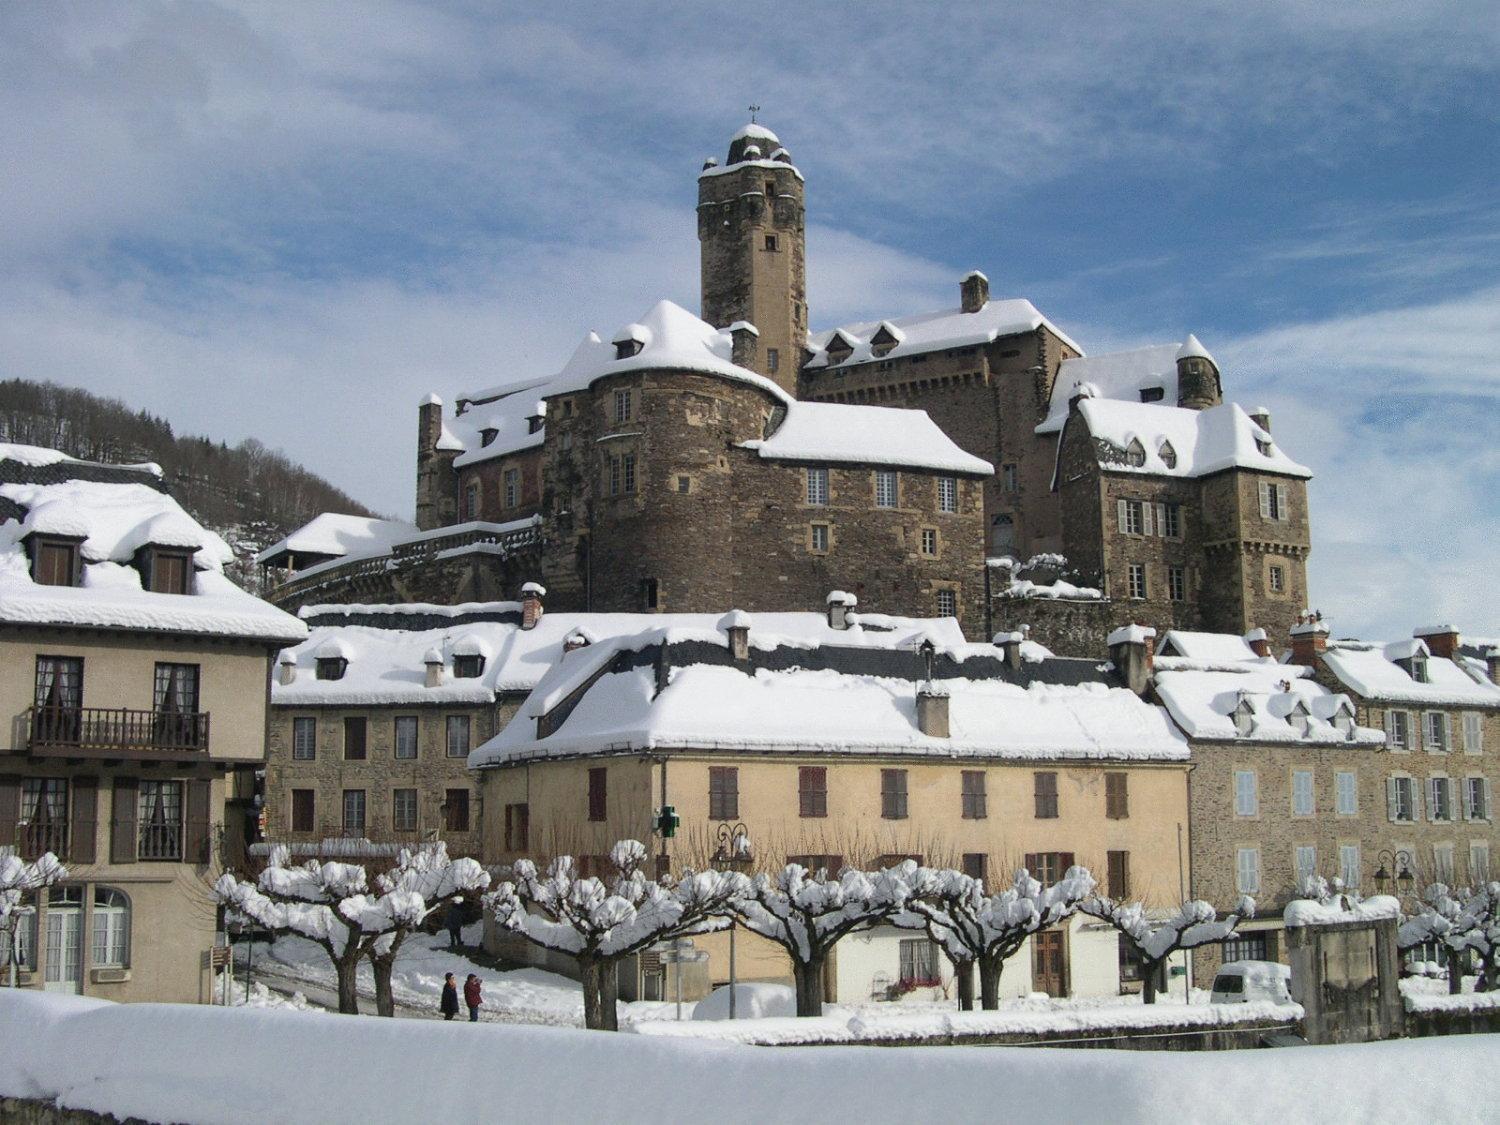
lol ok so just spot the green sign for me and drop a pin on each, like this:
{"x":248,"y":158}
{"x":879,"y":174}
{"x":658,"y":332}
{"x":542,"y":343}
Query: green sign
{"x":667,"y":821}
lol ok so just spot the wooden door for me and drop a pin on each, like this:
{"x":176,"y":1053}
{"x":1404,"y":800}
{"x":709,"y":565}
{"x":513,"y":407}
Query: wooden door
{"x":1049,"y":962}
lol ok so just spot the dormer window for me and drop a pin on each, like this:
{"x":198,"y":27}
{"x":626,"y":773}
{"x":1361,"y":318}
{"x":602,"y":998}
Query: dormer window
{"x":1152,"y":394}
{"x":1419,"y":669}
{"x":624,"y":349}
{"x":164,"y":571}
{"x":468,"y":667}
{"x":332,"y":667}
{"x":488,"y":435}
{"x":534,"y":423}
{"x":54,"y":562}
{"x":1263,"y":447}
{"x":883,"y":341}
{"x":1135,"y":453}
{"x":1298,"y":718}
{"x":1168,"y":455}
{"x":1244,"y":717}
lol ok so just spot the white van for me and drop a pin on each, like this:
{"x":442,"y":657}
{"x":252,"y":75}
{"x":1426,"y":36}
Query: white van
{"x":1241,"y":982}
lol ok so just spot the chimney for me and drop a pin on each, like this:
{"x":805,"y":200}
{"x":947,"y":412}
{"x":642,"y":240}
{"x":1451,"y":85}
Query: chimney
{"x":1259,"y":643}
{"x":432,"y":660}
{"x":1262,"y":418}
{"x":1010,"y":645}
{"x":745,"y":344}
{"x":840,"y":603}
{"x":1442,"y":640}
{"x":1492,"y":661}
{"x":1132,"y":648}
{"x":1081,"y":391}
{"x":932,"y":710}
{"x":575,"y":641}
{"x":429,"y":424}
{"x":974,"y":290}
{"x":1309,"y":638}
{"x":287,"y":667}
{"x":531,"y":604}
{"x":736,"y":624}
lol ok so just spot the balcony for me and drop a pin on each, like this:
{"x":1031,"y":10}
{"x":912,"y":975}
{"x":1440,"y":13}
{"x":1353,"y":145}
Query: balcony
{"x":102,"y":732}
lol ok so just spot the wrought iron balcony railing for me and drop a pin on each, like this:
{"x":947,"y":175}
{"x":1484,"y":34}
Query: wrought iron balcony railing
{"x":104,"y":732}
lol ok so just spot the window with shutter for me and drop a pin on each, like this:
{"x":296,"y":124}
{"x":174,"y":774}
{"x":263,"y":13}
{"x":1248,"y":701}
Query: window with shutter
{"x":598,"y":782}
{"x":1346,"y":798}
{"x":1281,"y":506}
{"x":973,"y":805}
{"x":1473,"y":732}
{"x":723,"y":792}
{"x":893,"y":794}
{"x":1247,"y":871}
{"x":1116,"y":796}
{"x":1265,"y":500}
{"x":1349,"y":865}
{"x":1123,"y":517}
{"x":1119,"y":875}
{"x":1305,"y":862}
{"x":812,"y":791}
{"x":1302,"y":793}
{"x":1246,"y":797}
{"x":976,"y":865}
{"x":1045,"y":784}
{"x":1146,"y":513}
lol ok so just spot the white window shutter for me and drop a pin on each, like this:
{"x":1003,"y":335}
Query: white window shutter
{"x":1280,"y":501}
{"x":1390,"y":799}
{"x":1161,"y":519}
{"x":1120,"y":511}
{"x":1463,"y":800}
{"x":1416,"y":801}
{"x":1447,"y":731}
{"x":1265,"y":500}
{"x":1146,"y":507}
{"x":1484,"y":787}
{"x":1390,"y":726}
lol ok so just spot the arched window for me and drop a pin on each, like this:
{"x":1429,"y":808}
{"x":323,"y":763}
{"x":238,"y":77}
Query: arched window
{"x":1135,"y":453}
{"x":111,"y":929}
{"x":1168,"y":455}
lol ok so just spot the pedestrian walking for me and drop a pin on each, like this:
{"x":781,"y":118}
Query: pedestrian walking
{"x":449,"y":1004}
{"x":472,"y":997}
{"x":454,"y":920}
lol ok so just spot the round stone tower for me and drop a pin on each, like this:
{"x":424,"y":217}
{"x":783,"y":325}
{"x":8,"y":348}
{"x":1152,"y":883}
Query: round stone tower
{"x":751,"y":231}
{"x":1198,"y":385}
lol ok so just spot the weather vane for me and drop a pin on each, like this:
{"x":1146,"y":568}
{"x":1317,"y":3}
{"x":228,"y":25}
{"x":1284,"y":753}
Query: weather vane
{"x":753,"y":111}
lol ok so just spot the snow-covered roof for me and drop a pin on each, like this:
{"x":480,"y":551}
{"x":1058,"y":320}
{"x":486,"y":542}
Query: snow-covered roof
{"x":753,"y":130}
{"x":339,"y":536}
{"x":1207,"y":648}
{"x":115,"y":513}
{"x":508,"y":414}
{"x":1371,"y":671}
{"x":1114,"y":375}
{"x":1193,"y":349}
{"x":879,"y":435}
{"x":1204,"y":699}
{"x":933,"y":331}
{"x":388,"y":665}
{"x":824,"y":710}
{"x":1203,"y":441}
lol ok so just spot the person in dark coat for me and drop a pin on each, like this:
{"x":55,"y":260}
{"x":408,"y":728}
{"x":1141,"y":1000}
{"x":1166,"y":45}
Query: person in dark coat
{"x":472,"y":997}
{"x":454,"y":920}
{"x":449,"y":1004}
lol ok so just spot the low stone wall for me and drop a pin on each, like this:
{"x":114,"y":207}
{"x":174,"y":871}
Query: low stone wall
{"x":1230,"y":1038}
{"x":1451,"y":1021}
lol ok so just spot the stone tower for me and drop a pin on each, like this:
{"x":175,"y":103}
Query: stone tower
{"x":1198,"y":385}
{"x":751,"y":230}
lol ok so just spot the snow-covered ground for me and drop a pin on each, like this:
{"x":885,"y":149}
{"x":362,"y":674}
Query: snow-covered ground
{"x":1430,"y":994}
{"x":211,"y":1066}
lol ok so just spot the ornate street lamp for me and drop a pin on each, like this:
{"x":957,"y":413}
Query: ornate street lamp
{"x":732,"y":854}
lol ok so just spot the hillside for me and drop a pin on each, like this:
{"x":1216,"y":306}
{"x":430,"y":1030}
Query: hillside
{"x":249,"y":494}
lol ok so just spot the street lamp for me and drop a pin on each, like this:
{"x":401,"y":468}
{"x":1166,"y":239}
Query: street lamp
{"x":1404,"y":878}
{"x":732,"y":854}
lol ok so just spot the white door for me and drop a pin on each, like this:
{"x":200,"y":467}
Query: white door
{"x":64,"y":947}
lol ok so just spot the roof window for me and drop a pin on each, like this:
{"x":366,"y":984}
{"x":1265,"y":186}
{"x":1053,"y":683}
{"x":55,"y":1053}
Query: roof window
{"x":1263,"y":447}
{"x":1419,"y":669}
{"x":1135,"y":453}
{"x":469,"y":667}
{"x":54,"y":561}
{"x":488,"y":435}
{"x":1152,"y":394}
{"x":165,"y":571}
{"x":332,"y":667}
{"x":1168,"y":455}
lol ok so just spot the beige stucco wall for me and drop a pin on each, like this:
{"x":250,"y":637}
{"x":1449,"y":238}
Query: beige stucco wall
{"x":120,"y":671}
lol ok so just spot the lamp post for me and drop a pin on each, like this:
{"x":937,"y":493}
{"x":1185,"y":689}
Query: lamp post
{"x":1404,"y":876}
{"x":732,"y":854}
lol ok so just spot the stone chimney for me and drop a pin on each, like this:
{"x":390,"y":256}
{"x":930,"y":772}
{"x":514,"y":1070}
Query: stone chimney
{"x":1010,"y":645}
{"x":1262,"y":418}
{"x":432,"y":661}
{"x":840,"y":603}
{"x":575,"y":641}
{"x":1309,"y":638}
{"x":745,"y":344}
{"x":1132,"y":649}
{"x":1259,"y":643}
{"x":1442,"y":640}
{"x":531,"y":604}
{"x":974,"y":291}
{"x":736,"y":625}
{"x":286,"y":670}
{"x":1492,"y":661}
{"x":932,"y":710}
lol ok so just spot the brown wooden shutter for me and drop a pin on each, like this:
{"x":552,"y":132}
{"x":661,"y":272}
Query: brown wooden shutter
{"x":1064,"y":861}
{"x":1031,"y":862}
{"x":199,"y":822}
{"x":83,"y":842}
{"x":122,"y":817}
{"x":10,"y":806}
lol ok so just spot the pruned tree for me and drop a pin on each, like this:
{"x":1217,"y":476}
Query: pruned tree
{"x":1154,"y":940}
{"x":807,"y":914}
{"x":1461,"y":921}
{"x":331,"y":905}
{"x":422,"y":880}
{"x":600,"y":924}
{"x":980,"y":931}
{"x":18,"y":878}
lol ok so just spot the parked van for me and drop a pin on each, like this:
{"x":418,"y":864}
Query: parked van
{"x":1241,"y":982}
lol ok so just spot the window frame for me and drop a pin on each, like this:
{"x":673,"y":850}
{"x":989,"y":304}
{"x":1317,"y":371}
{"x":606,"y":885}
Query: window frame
{"x":113,"y":951}
{"x":1135,"y":581}
{"x":413,"y":724}
{"x":816,"y":492}
{"x":309,"y":724}
{"x":1246,"y":800}
{"x":400,"y":822}
{"x":70,"y":558}
{"x":947,"y":603}
{"x":623,"y":406}
{"x":358,"y":799}
{"x":974,"y":797}
{"x":723,"y":793}
{"x":812,"y":792}
{"x":1177,"y":583}
{"x":947,"y":494}
{"x":887,"y":489}
{"x":894,"y":795}
{"x":1046,"y":803}
{"x":452,"y":723}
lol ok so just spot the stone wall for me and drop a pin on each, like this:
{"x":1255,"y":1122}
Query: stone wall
{"x":489,"y":476}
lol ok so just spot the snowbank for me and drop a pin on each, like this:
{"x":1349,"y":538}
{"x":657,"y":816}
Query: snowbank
{"x":216,"y":1065}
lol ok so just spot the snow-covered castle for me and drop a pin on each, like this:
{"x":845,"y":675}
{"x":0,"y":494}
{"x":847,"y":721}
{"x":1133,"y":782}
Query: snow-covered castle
{"x":971,"y":462}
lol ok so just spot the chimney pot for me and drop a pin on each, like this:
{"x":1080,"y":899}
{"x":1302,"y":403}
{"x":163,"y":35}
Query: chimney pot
{"x":531,"y":604}
{"x":1262,"y":418}
{"x":736,"y":626}
{"x":288,"y":668}
{"x":1132,"y":649}
{"x":744,"y":343}
{"x":1442,"y":640}
{"x":1259,"y":643}
{"x":433,"y":663}
{"x":839,"y":605}
{"x":1010,"y":645}
{"x":1309,"y":638}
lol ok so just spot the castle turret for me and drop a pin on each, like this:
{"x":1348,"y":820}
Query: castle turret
{"x":1198,"y":385}
{"x":753,"y":248}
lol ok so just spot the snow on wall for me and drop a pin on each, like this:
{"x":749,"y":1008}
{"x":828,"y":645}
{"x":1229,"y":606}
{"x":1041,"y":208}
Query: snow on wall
{"x":219,"y":1066}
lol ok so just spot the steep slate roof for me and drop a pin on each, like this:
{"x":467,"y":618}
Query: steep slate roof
{"x":339,"y":536}
{"x":935,"y":331}
{"x":1113,"y":375}
{"x":1372,"y":671}
{"x":1204,"y":441}
{"x":114,"y":510}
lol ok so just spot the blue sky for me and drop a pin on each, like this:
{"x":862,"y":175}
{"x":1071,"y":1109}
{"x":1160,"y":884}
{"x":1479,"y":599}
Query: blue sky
{"x":291,"y":221}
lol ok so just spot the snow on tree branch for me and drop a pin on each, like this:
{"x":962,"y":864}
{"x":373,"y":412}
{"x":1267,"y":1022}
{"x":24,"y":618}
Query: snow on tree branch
{"x":19,"y":878}
{"x":1154,"y":940}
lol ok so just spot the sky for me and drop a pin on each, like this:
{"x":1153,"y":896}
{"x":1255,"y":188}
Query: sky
{"x":291,"y":221}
